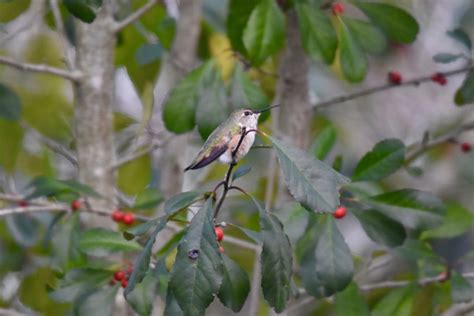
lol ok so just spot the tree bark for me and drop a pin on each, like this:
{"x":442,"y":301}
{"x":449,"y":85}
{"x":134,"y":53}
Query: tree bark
{"x":93,"y":115}
{"x":293,"y":93}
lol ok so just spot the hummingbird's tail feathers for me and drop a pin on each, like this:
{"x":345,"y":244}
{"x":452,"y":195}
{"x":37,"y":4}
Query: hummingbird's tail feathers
{"x":203,"y":160}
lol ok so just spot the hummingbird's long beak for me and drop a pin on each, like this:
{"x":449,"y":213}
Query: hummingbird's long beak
{"x":266,"y":109}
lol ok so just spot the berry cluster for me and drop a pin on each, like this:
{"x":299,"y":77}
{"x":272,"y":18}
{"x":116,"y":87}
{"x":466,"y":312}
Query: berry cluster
{"x":394,"y":77}
{"x":122,"y":217}
{"x":439,"y":78}
{"x":219,"y":236}
{"x":76,"y":205}
{"x":340,"y":212}
{"x":122,"y":276}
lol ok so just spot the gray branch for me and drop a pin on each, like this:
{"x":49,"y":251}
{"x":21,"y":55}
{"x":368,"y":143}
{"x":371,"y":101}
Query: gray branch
{"x":66,"y":74}
{"x":134,"y":16}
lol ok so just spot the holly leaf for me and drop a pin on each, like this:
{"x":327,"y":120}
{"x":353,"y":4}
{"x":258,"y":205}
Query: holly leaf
{"x":446,"y":58}
{"x":80,"y":10}
{"x":380,"y":228}
{"x":384,"y":159}
{"x":180,"y":201}
{"x":99,"y":240}
{"x":325,"y":141}
{"x":98,"y":303}
{"x":197,"y":272}
{"x":465,"y":94}
{"x":396,"y":23}
{"x":462,"y":37}
{"x":318,"y":35}
{"x":311,"y":182}
{"x":264,"y":34}
{"x":351,"y":303}
{"x":235,"y":285}
{"x":239,"y":14}
{"x":370,"y":38}
{"x":458,"y":220}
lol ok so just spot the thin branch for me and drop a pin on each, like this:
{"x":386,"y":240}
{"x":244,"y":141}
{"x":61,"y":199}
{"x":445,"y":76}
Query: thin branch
{"x":40,"y":68}
{"x":30,"y":209}
{"x":419,"y":148}
{"x":135,"y":15}
{"x":120,"y":162}
{"x":372,"y":90}
{"x":58,"y":21}
{"x":459,"y":309}
{"x":396,"y":284}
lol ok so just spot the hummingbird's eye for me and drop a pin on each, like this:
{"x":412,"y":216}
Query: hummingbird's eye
{"x":247,"y":113}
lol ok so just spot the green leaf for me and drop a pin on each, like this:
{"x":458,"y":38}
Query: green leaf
{"x":457,"y":221}
{"x":384,"y":159}
{"x":179,"y":109}
{"x":239,"y":13}
{"x":142,"y":263}
{"x":465,"y":93}
{"x":317,"y":32}
{"x":334,"y":266}
{"x":102,"y":240}
{"x":212,"y":107}
{"x":99,"y":303}
{"x":241,"y":171}
{"x":325,"y":141}
{"x":172,"y":308}
{"x":47,"y":186}
{"x":24,"y":229}
{"x":371,"y":39}
{"x":11,"y":134}
{"x":143,"y":296}
{"x":276,"y":260}
{"x":446,"y":58}
{"x":264,"y":34}
{"x":148,"y":53}
{"x":180,"y":201}
{"x":352,"y":58}
{"x":461,"y":289}
{"x":65,"y":243}
{"x":462,"y":37}
{"x":78,"y":282}
{"x":311,"y":182}
{"x":351,"y":303}
{"x":80,"y":10}
{"x":197,"y":272}
{"x":10,"y":104}
{"x":396,"y":23}
{"x":412,"y":208}
{"x":415,"y":250}
{"x":244,"y":93}
{"x":396,"y":302}
{"x":381,"y":228}
{"x":140,"y":229}
{"x":235,"y":285}
{"x":148,"y":199}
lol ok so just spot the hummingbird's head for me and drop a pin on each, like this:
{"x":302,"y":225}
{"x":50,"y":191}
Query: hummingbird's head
{"x":249,"y":117}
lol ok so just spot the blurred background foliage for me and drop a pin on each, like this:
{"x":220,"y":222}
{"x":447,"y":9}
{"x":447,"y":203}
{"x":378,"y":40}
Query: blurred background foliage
{"x":44,"y":270}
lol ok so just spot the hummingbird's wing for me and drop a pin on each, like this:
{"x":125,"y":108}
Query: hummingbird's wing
{"x":204,"y":160}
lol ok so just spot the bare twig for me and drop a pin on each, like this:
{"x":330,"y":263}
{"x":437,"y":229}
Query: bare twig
{"x":419,"y":148}
{"x":395,"y":284}
{"x":66,"y":74}
{"x":460,"y":309}
{"x":372,"y":90}
{"x":58,"y":21}
{"x":121,"y":161}
{"x":135,"y":15}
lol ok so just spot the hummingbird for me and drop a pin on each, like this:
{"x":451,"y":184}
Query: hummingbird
{"x":223,"y":141}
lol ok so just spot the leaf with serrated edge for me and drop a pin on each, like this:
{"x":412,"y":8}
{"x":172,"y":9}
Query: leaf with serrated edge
{"x":384,"y":159}
{"x":235,"y":285}
{"x":276,"y":260}
{"x":180,"y":201}
{"x":311,"y":182}
{"x":197,"y":272}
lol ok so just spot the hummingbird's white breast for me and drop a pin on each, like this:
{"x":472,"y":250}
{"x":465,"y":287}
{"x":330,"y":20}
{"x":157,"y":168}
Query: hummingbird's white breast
{"x":244,"y":147}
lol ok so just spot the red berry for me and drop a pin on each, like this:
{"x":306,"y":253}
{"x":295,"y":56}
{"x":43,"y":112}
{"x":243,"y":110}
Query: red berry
{"x":124,"y":283}
{"x":466,"y":147}
{"x":439,"y":78}
{"x":117,"y":216}
{"x":119,"y":276}
{"x":394,"y":77}
{"x":128,"y":218}
{"x":219,"y":233}
{"x":340,"y":212}
{"x":23,"y":203}
{"x":75,"y":205}
{"x":337,"y":8}
{"x":221,"y":249}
